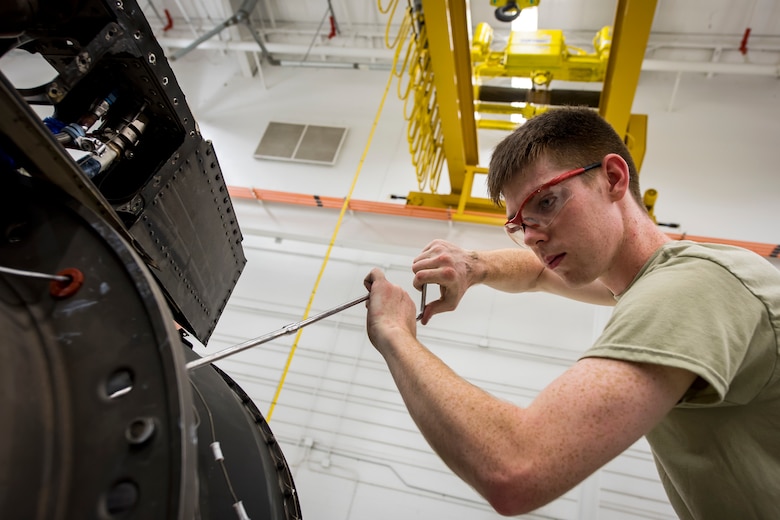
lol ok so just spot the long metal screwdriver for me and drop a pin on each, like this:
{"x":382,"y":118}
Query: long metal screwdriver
{"x":287,"y":329}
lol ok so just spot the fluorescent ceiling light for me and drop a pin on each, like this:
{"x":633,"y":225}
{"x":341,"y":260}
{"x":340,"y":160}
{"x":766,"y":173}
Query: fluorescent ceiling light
{"x":527,"y":21}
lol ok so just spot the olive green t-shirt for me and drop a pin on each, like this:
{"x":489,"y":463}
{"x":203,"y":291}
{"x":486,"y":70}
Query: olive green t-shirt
{"x":713,"y":310}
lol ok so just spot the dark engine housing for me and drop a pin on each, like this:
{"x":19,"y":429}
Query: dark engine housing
{"x":115,"y":227}
{"x":163,"y":185}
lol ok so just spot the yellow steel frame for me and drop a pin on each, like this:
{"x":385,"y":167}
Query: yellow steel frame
{"x":633,"y":20}
{"x":449,"y":46}
{"x":541,"y":55}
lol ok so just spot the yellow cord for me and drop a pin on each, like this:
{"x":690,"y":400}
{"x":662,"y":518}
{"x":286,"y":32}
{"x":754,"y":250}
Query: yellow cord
{"x":421,"y":112}
{"x":344,"y":208}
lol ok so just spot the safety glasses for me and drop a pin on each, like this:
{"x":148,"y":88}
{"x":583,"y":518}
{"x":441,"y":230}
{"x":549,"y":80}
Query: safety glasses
{"x":541,"y":207}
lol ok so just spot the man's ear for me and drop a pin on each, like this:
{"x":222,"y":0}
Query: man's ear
{"x":618,"y":176}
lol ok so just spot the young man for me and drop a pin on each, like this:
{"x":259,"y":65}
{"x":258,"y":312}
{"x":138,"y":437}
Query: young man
{"x":689,"y":358}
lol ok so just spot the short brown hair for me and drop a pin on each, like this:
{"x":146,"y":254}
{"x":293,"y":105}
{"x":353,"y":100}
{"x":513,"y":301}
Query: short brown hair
{"x":570,"y":137}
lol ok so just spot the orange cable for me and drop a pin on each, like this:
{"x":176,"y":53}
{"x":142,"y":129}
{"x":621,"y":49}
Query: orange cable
{"x":386,"y":208}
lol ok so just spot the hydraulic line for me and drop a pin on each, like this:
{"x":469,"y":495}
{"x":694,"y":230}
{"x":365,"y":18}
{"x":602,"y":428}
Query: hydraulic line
{"x":101,"y":158}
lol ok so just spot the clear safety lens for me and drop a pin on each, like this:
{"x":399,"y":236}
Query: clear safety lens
{"x":538,"y":212}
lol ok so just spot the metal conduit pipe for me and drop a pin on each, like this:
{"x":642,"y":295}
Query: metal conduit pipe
{"x":335,"y":64}
{"x":748,"y":69}
{"x":282,"y":48}
{"x":653,"y":65}
{"x":548,"y":97}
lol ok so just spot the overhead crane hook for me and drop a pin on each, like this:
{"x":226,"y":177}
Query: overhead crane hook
{"x":509,"y":10}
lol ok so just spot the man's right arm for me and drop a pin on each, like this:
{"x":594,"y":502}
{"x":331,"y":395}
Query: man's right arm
{"x":510,"y":270}
{"x":519,"y":458}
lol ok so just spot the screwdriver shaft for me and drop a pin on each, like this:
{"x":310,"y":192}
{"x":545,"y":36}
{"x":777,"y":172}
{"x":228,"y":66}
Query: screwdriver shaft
{"x":287,"y":329}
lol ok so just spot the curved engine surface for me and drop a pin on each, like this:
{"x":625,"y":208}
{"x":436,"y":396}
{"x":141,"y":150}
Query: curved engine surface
{"x":115,"y":226}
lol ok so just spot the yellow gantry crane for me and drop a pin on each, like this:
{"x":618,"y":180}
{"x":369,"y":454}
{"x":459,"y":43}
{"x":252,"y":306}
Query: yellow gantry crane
{"x":452,"y":94}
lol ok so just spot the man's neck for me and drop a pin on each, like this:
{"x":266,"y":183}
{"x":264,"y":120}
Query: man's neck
{"x":639,"y":243}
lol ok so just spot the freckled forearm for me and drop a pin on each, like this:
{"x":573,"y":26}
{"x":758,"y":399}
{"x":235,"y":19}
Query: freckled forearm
{"x":508,"y":270}
{"x":473,"y":432}
{"x":520,"y":270}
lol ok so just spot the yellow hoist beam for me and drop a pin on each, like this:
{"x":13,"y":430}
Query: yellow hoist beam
{"x":541,"y":55}
{"x":448,"y":26}
{"x":633,"y":20}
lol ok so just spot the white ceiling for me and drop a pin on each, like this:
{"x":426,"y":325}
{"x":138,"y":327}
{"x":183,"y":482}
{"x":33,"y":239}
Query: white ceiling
{"x":712,"y":18}
{"x":704,"y":126}
{"x":703,"y":31}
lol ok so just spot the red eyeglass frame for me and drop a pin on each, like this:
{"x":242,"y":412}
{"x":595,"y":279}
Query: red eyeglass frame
{"x":517,"y":219}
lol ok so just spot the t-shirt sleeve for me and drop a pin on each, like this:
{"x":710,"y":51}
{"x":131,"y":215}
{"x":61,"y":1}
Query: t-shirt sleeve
{"x":693,"y":314}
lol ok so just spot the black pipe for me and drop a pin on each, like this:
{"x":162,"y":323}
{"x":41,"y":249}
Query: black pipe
{"x":588,"y":98}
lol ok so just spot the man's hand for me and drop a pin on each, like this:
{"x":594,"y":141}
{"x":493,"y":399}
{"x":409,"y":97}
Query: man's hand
{"x":450,"y":267}
{"x":391,"y":312}
{"x":512,"y":270}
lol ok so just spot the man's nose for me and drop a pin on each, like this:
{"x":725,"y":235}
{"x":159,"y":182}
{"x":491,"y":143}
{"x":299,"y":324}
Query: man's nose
{"x":533,"y":235}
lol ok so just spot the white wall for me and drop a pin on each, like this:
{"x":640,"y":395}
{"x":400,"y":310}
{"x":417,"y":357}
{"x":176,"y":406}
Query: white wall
{"x":354,"y":451}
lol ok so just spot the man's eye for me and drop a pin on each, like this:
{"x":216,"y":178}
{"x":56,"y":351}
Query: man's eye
{"x":547,"y":203}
